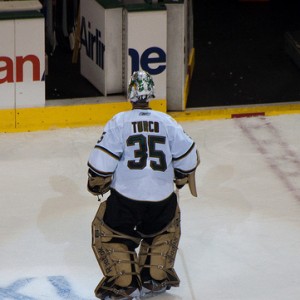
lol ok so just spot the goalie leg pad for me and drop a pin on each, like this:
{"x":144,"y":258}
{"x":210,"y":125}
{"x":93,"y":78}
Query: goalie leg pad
{"x":117,"y":263}
{"x":160,"y":256}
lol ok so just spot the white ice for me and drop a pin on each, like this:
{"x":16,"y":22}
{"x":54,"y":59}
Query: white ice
{"x":240,"y":237}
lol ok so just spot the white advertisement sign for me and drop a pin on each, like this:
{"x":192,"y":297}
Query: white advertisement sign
{"x":7,"y":62}
{"x":22,"y":63}
{"x":147,"y":46}
{"x":93,"y":43}
{"x":30,"y":62}
{"x":101,"y":46}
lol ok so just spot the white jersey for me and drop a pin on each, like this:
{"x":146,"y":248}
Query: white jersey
{"x":141,"y":148}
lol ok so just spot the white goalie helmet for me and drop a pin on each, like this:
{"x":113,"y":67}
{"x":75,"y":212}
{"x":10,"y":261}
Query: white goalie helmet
{"x":141,"y":87}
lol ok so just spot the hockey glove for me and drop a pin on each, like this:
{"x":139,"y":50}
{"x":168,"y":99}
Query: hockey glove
{"x":180,"y":179}
{"x":98,"y":185}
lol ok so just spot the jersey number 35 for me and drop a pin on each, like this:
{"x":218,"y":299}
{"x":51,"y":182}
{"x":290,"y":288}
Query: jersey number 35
{"x":141,"y":154}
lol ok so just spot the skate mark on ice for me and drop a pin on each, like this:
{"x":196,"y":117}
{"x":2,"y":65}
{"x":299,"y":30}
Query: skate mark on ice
{"x":188,"y":279}
{"x":282,"y":160}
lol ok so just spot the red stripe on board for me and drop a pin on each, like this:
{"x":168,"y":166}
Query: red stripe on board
{"x":254,"y":0}
{"x":247,"y":115}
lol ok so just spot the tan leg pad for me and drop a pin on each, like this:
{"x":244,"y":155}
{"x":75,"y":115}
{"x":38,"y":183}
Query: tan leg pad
{"x":162,"y":251}
{"x":114,"y":259}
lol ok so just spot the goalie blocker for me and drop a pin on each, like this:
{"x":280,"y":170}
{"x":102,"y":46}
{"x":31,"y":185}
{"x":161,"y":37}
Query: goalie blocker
{"x":98,"y":185}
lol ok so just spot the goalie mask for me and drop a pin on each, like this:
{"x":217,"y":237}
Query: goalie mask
{"x":141,"y":87}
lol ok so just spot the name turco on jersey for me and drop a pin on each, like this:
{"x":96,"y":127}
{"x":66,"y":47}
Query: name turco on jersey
{"x":145,"y":126}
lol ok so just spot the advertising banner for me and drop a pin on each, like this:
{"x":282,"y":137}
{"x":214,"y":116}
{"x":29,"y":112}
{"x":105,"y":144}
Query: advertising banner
{"x":22,"y":63}
{"x":30,"y":62}
{"x":92,"y":43}
{"x":7,"y":61}
{"x":101,"y":46}
{"x":146,"y":35}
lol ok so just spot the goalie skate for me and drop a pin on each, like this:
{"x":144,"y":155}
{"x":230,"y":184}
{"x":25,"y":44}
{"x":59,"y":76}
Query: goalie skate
{"x":107,"y":290}
{"x":121,"y":295}
{"x":153,"y":288}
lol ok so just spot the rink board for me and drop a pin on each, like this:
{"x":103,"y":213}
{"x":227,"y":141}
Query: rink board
{"x":51,"y":117}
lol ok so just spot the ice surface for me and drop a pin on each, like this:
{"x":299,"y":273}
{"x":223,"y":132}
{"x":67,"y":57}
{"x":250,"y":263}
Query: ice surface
{"x":240,"y":237}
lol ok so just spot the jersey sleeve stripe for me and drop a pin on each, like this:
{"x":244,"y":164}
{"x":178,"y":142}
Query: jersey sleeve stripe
{"x":186,"y":172}
{"x":108,"y":152}
{"x":98,"y":172}
{"x":185,"y":154}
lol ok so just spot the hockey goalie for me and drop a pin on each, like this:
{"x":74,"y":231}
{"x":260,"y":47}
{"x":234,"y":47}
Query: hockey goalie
{"x":140,"y":157}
